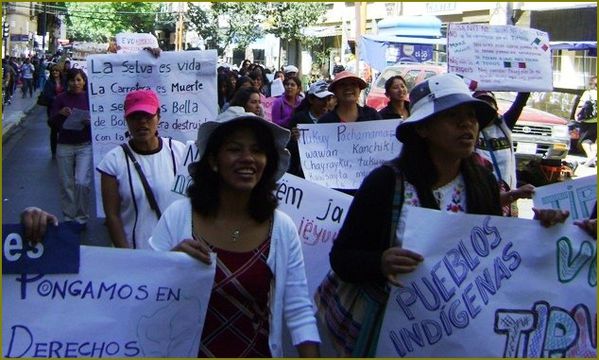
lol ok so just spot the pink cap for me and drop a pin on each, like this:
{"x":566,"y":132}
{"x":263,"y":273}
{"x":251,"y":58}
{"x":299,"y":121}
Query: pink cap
{"x":141,"y":100}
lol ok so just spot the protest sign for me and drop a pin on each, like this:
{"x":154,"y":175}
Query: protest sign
{"x":79,"y":64}
{"x":123,"y":303}
{"x":318,"y":214}
{"x":184,"y":81}
{"x":492,"y":287}
{"x":58,"y":253}
{"x":267,"y":107}
{"x":77,"y":120}
{"x":134,"y":42}
{"x":578,"y":196}
{"x":341,"y":155}
{"x":500,"y":57}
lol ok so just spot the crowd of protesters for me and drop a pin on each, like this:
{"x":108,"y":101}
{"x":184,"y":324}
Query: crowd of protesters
{"x":231,"y":211}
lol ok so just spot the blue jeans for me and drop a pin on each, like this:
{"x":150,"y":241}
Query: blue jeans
{"x":75,"y":175}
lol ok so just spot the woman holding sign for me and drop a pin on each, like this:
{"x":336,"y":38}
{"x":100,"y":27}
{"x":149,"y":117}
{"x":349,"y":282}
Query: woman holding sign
{"x":231,"y":211}
{"x":436,"y":169}
{"x":133,"y":197}
{"x":70,"y":115}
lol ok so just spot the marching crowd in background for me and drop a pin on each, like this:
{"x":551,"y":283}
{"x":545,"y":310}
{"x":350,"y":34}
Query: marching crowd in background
{"x":260,"y":282}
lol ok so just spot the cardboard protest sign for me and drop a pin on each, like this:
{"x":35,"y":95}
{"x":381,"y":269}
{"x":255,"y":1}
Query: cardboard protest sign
{"x":500,"y":57}
{"x":493,"y":287}
{"x":134,"y":42}
{"x":579,"y":196}
{"x":318,"y":214}
{"x":58,"y":253}
{"x":341,"y":155}
{"x":123,"y":303}
{"x":184,"y":81}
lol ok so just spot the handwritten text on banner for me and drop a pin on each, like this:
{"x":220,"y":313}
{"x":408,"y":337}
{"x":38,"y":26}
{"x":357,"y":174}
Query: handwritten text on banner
{"x":492,"y":287}
{"x":579,"y":196}
{"x":341,"y":155}
{"x":123,"y":303}
{"x":184,"y":81}
{"x":500,"y":57}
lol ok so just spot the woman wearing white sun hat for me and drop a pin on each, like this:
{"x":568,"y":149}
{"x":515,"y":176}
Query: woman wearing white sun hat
{"x":231,"y":211}
{"x":436,"y":169}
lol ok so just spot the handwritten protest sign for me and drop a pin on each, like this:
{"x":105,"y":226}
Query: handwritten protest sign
{"x":79,"y":64}
{"x":184,"y":81}
{"x":500,"y":57}
{"x":493,"y":287}
{"x":133,"y":42}
{"x":341,"y":155}
{"x":123,"y":303}
{"x":579,"y":196}
{"x":318,"y":214}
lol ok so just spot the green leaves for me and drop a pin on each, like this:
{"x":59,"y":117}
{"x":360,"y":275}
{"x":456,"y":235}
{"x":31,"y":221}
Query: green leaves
{"x":99,"y":22}
{"x":226,"y":23}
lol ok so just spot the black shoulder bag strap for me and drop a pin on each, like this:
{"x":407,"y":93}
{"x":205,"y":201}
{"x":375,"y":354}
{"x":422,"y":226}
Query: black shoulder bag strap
{"x":144,"y":181}
{"x":398,"y":199}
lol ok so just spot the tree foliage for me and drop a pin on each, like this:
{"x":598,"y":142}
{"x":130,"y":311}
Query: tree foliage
{"x":287,"y":19}
{"x":223,"y":24}
{"x":98,"y":22}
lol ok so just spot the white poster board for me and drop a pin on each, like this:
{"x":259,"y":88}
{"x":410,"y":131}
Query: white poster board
{"x":500,"y":57}
{"x":134,"y":42}
{"x":578,"y":196}
{"x":123,"y":303}
{"x":492,"y":287}
{"x":318,"y":214}
{"x":184,"y":81}
{"x":341,"y":155}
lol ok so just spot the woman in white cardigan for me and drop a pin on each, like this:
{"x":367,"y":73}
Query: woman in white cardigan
{"x":260,"y":277}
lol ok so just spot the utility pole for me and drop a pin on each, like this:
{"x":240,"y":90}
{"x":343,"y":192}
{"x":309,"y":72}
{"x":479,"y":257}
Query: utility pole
{"x":360,"y":10}
{"x":44,"y":25}
{"x":179,"y":30}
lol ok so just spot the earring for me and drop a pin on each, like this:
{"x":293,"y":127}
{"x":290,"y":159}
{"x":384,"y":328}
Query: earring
{"x":215,"y":168}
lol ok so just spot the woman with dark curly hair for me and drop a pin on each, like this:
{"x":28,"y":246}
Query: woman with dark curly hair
{"x":231,"y":211}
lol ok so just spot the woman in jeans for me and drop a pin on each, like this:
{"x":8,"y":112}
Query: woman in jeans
{"x":53,"y":87}
{"x":70,"y":115}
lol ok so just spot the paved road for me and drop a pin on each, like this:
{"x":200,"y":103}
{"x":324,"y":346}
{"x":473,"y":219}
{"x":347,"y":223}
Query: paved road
{"x":30,"y":176}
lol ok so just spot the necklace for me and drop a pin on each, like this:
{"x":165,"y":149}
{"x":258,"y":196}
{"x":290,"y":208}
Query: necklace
{"x":235,"y":235}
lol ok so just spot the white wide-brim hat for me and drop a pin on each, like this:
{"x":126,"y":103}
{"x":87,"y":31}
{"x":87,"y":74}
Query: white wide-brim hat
{"x":439,"y":93}
{"x":238,"y":113}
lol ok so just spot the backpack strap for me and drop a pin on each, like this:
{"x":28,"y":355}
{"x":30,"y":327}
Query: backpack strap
{"x":144,"y":181}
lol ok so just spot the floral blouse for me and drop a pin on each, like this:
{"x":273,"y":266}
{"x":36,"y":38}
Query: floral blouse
{"x":450,"y":197}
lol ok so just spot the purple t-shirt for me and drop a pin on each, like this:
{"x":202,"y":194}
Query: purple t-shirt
{"x":73,"y":101}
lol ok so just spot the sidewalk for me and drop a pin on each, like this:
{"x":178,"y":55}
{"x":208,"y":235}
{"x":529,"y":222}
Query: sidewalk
{"x":13,"y":114}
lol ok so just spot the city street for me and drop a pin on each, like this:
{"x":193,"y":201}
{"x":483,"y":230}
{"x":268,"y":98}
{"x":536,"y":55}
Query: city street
{"x":29,"y":175}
